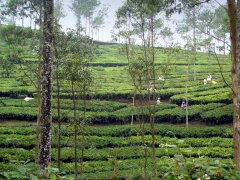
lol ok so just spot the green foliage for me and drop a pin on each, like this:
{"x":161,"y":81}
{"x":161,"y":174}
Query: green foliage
{"x":130,"y":130}
{"x":15,"y":35}
{"x":23,"y":172}
{"x":109,"y":146}
{"x":15,"y":39}
{"x":181,"y":168}
{"x":30,"y":170}
{"x":91,"y":105}
{"x":219,"y":115}
{"x":204,"y":97}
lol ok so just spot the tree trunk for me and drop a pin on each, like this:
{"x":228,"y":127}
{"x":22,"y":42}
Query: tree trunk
{"x":46,"y":86}
{"x":187,"y":81}
{"x":152,"y":113}
{"x":236,"y":84}
{"x":75,"y":129}
{"x":39,"y":89}
{"x":30,"y":22}
{"x":59,"y":121}
{"x":224,"y":44}
{"x":232,"y":13}
{"x":58,"y":86}
{"x":195,"y":52}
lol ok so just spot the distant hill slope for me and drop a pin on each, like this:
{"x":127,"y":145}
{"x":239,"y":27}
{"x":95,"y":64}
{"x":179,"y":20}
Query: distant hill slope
{"x":112,"y":80}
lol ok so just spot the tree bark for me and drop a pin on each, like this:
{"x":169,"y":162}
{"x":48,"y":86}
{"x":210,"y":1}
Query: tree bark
{"x":235,"y":55}
{"x":46,"y":86}
{"x":39,"y":89}
{"x":236,"y":84}
{"x":59,"y":121}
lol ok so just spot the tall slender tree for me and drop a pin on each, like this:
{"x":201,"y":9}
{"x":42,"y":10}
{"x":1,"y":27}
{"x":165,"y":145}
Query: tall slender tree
{"x":234,"y":14}
{"x":58,"y":10}
{"x":139,"y":20}
{"x":236,"y":100}
{"x":78,"y":7}
{"x":221,"y":26}
{"x":46,"y":86}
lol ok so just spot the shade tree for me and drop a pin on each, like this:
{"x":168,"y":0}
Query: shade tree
{"x":77,"y":55}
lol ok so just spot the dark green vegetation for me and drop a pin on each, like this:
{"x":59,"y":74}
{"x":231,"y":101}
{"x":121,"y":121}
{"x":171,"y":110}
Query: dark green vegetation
{"x":118,"y":151}
{"x":114,"y":151}
{"x":112,"y":90}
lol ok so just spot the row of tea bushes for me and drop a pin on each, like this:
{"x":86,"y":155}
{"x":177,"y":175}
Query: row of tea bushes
{"x":92,"y":105}
{"x":129,"y":130}
{"x":220,"y":95}
{"x":169,"y":168}
{"x":28,"y":142}
{"x":213,"y":113}
{"x":218,"y":115}
{"x":121,"y":153}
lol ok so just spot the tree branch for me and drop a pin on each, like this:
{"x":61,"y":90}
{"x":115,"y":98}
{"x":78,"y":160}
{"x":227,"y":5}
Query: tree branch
{"x":221,"y":5}
{"x":220,"y":68}
{"x":34,"y":84}
{"x":214,"y":37}
{"x":33,"y":6}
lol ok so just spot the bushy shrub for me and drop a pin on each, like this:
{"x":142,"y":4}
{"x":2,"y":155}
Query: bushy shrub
{"x":175,"y":115}
{"x":218,"y":115}
{"x":204,"y":97}
{"x":195,"y":111}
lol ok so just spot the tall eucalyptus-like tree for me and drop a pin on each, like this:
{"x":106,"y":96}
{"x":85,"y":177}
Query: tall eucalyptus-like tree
{"x":138,"y":20}
{"x":234,"y":20}
{"x":46,"y":86}
{"x":79,"y":51}
{"x":234,"y":26}
{"x":221,"y":27}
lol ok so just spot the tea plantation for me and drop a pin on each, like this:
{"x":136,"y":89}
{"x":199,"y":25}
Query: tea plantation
{"x":117,"y":151}
{"x":110,"y":96}
{"x":111,"y":147}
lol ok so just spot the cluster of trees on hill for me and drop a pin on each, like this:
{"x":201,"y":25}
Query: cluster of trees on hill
{"x":140,"y":19}
{"x":72,"y":52}
{"x":90,"y":14}
{"x":136,"y":18}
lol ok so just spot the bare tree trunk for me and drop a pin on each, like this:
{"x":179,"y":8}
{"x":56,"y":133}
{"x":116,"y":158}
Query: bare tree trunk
{"x":195,"y":52}
{"x":224,"y":44}
{"x":59,"y":122}
{"x":89,"y":26}
{"x":152,"y":114}
{"x":232,"y":13}
{"x":187,"y":81}
{"x":79,"y":25}
{"x":30,"y":22}
{"x":46,"y":84}
{"x":83,"y":129}
{"x":92,"y":26}
{"x":236,"y":101}
{"x":22,"y":21}
{"x":75,"y":130}
{"x":236,"y":83}
{"x":39,"y":89}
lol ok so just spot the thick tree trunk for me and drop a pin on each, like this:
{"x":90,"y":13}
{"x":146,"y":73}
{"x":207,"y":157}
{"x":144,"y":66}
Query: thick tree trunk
{"x":39,"y":90}
{"x":236,"y":84}
{"x":46,"y":85}
{"x":232,"y":13}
